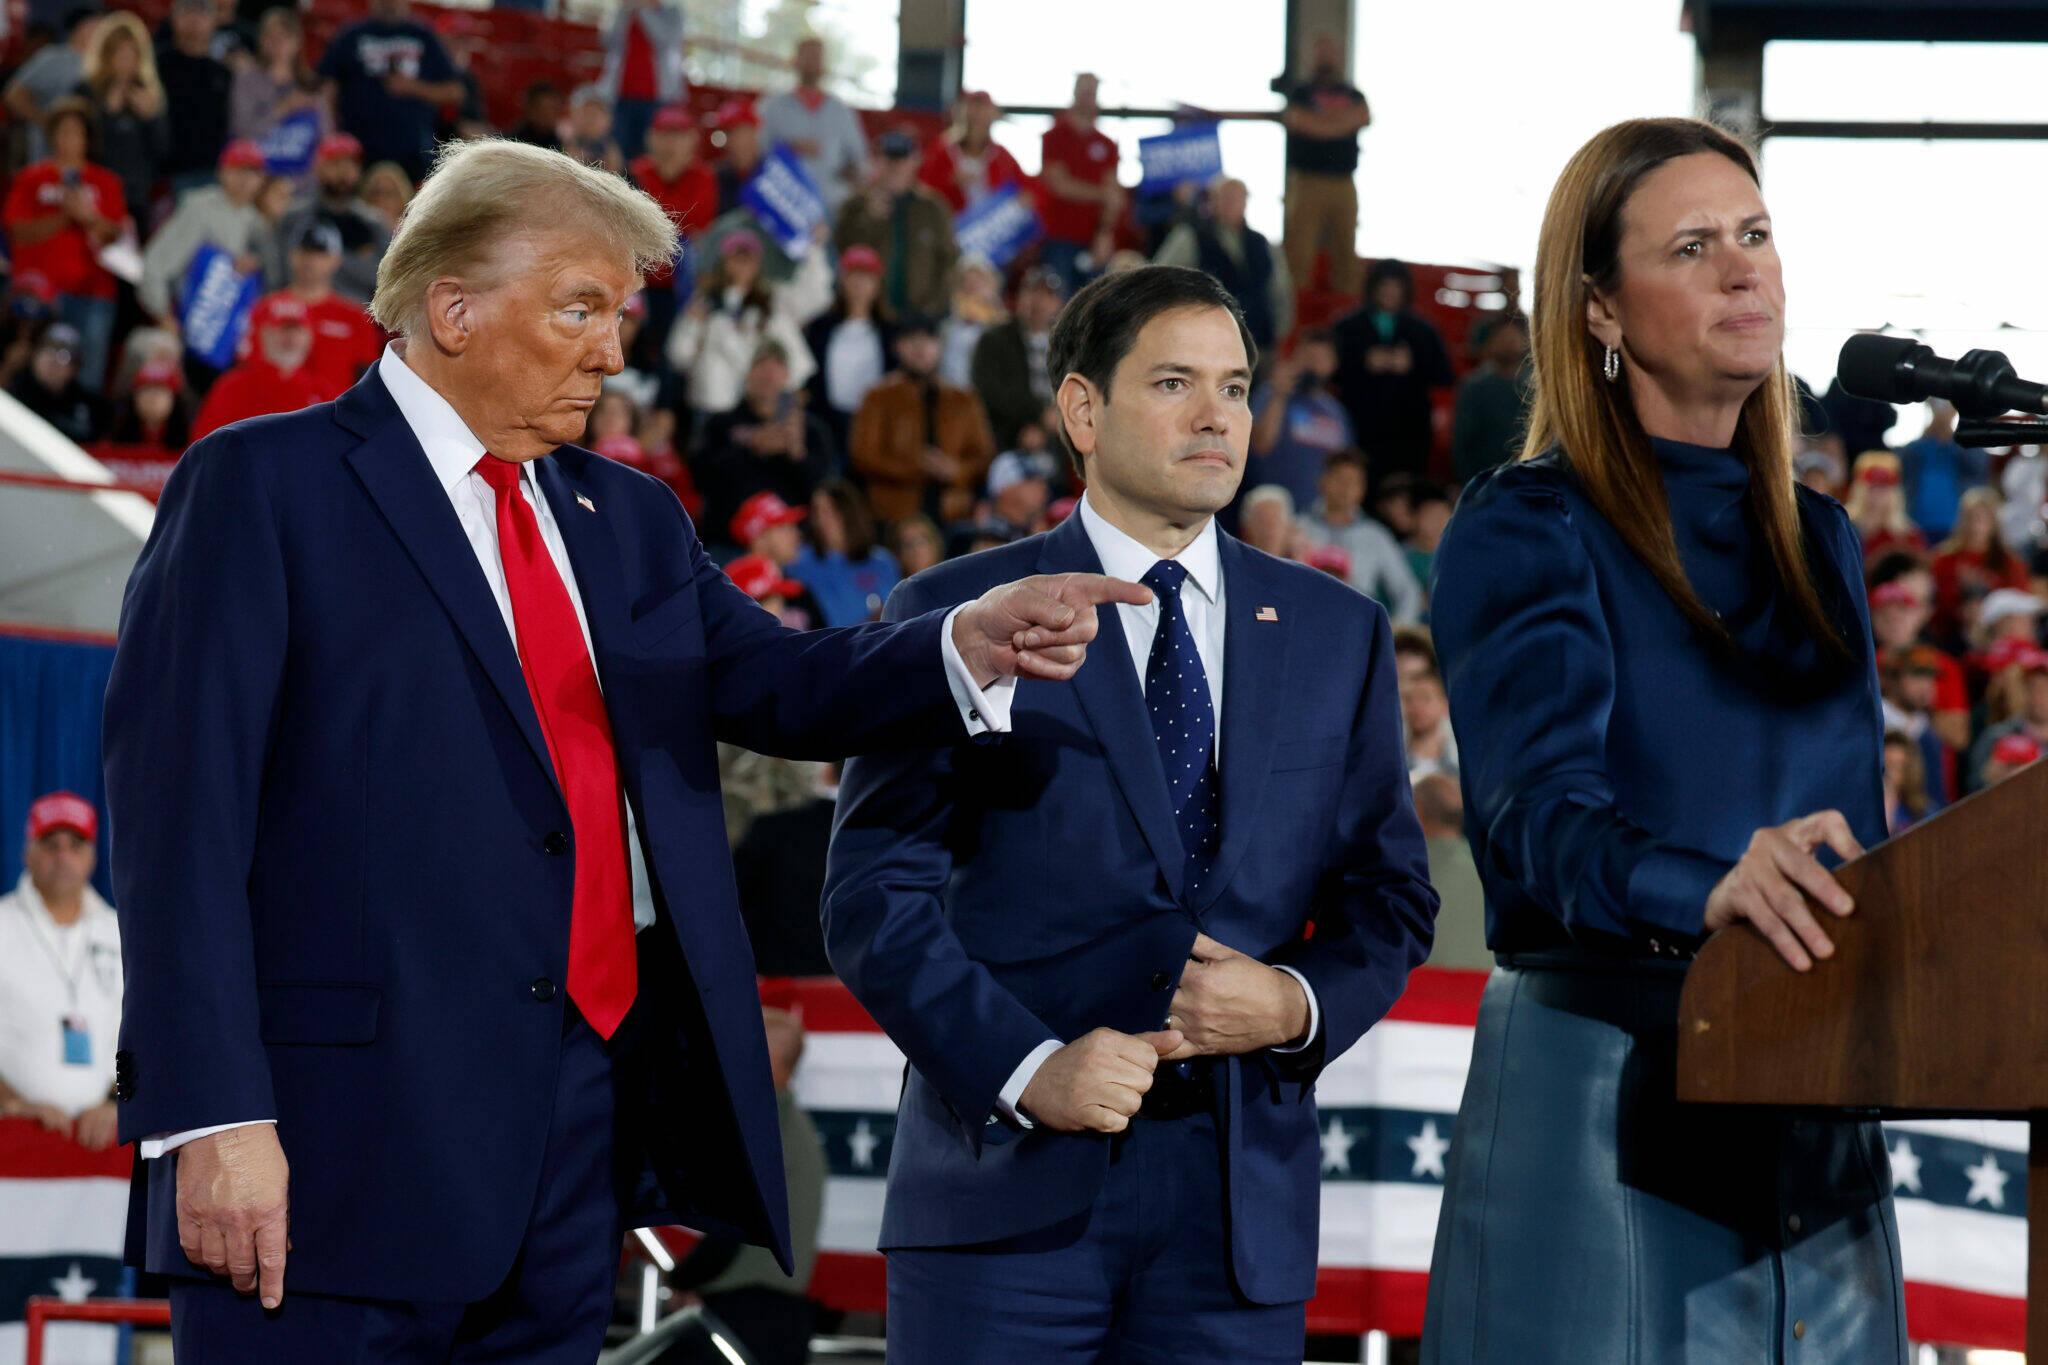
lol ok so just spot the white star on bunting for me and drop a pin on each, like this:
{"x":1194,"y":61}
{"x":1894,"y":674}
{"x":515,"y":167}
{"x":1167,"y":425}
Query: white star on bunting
{"x":1337,"y":1147}
{"x":1987,"y":1182}
{"x":1905,"y":1167}
{"x":73,"y":1287}
{"x":1429,"y":1150}
{"x":861,"y":1142}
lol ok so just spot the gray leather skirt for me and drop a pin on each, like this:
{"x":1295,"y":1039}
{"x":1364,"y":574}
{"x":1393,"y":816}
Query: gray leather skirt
{"x":1590,"y":1217}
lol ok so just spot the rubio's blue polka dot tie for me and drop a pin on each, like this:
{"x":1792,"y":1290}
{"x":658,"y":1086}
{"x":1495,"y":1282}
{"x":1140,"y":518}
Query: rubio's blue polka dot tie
{"x":1183,"y":722}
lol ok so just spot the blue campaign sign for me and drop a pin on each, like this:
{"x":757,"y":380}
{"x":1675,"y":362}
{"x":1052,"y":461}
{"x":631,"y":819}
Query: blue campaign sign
{"x":998,"y":227}
{"x":217,"y":299}
{"x":288,"y":148}
{"x":786,"y":200}
{"x":1189,"y":153}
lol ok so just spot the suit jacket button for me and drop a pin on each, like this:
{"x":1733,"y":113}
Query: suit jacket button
{"x":556,"y":843}
{"x":543,"y":990}
{"x":1160,"y":981}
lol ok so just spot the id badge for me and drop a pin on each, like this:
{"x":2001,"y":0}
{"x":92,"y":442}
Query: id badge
{"x":77,"y":1042}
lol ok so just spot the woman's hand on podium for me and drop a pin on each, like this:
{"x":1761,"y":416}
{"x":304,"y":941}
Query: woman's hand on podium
{"x":1772,"y":883}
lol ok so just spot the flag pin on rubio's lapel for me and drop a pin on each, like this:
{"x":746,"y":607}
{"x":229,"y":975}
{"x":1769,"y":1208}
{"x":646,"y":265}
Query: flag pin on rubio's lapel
{"x":586,"y":503}
{"x":1267,"y":614}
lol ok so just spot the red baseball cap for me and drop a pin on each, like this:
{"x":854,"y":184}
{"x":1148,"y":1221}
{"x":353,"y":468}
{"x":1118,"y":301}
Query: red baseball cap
{"x":335,"y":146}
{"x":161,"y":373}
{"x":1878,"y":472}
{"x":636,"y":305}
{"x":63,"y":810}
{"x":2015,"y":751}
{"x":1331,"y":559}
{"x":758,"y":577}
{"x":1061,"y":510}
{"x":672,"y":118}
{"x":1894,"y":594}
{"x":734,"y":113}
{"x":739,"y":240}
{"x":281,"y":309}
{"x":244,"y":153}
{"x":2004,"y":652}
{"x":622,"y":448}
{"x":760,"y":512}
{"x":860,"y":257}
{"x":35,"y":284}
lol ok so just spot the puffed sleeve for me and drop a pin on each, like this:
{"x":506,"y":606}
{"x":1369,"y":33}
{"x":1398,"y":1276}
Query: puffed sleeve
{"x":1528,"y":664}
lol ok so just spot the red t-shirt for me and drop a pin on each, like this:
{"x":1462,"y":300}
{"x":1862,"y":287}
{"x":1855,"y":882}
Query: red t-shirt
{"x":345,"y":343}
{"x":636,"y":73}
{"x":691,"y":200}
{"x":941,"y":170}
{"x":68,"y":260}
{"x":1089,"y":157}
{"x":254,"y":388}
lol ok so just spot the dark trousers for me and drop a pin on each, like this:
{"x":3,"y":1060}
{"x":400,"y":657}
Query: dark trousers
{"x":1140,"y":1278}
{"x":552,"y":1309}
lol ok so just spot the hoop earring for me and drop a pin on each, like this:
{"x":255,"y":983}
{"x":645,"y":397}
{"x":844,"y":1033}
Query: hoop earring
{"x":1611,"y":366}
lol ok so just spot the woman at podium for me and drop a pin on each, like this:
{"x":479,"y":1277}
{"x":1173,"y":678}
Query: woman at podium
{"x":1660,"y":672}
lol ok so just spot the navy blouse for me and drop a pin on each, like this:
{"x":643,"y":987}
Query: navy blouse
{"x":1615,"y":763}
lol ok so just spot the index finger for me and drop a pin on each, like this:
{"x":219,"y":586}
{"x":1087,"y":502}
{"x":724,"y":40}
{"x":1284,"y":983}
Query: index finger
{"x":1099,"y":588}
{"x":270,"y":1254}
{"x":1834,"y":830}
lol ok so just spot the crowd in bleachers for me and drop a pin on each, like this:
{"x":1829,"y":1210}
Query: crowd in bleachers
{"x":839,"y":411}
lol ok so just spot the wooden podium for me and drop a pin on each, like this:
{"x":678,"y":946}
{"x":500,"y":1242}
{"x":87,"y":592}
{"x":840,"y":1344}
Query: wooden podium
{"x":1935,"y":1003}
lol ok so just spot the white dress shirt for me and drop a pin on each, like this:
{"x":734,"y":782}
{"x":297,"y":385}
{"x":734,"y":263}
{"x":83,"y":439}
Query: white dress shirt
{"x":1124,"y":557}
{"x":453,"y":450}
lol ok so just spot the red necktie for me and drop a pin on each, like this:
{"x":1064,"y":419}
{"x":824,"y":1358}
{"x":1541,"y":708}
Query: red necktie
{"x":603,"y":975}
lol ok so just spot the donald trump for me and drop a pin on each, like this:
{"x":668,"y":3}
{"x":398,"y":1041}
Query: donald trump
{"x":406,"y":683}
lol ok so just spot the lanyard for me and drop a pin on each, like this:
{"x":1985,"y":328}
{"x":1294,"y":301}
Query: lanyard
{"x":71,"y":976}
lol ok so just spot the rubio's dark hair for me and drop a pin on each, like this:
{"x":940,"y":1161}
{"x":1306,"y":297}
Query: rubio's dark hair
{"x":1099,"y":325}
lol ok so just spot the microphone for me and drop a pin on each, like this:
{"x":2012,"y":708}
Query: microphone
{"x":1901,"y":370}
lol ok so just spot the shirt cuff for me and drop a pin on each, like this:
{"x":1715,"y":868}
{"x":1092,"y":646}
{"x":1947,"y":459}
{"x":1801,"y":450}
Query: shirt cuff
{"x":1315,"y":1015}
{"x":984,"y":711}
{"x":1013,"y":1090}
{"x":152,"y":1148}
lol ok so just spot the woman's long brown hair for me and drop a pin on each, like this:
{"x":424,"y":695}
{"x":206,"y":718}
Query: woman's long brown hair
{"x":1594,"y":422}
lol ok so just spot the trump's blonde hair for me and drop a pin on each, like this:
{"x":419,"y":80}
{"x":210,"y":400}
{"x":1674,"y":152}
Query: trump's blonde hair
{"x":484,"y":192}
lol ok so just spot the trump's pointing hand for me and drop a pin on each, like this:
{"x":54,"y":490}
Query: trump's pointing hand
{"x":1037,"y":627}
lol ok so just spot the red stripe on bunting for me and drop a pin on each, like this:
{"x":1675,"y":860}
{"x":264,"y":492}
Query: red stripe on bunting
{"x":35,"y":1153}
{"x":1435,"y":995}
{"x":821,"y":1002}
{"x":1441,"y":995}
{"x":1962,"y":1317}
{"x":1351,"y":1300}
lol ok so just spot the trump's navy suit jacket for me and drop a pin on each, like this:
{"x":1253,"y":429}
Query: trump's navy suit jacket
{"x":984,"y":898}
{"x":344,"y":866}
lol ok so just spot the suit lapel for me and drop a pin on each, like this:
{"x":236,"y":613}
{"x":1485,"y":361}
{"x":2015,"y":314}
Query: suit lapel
{"x":1114,"y":702}
{"x":1254,"y":669}
{"x":399,"y":479}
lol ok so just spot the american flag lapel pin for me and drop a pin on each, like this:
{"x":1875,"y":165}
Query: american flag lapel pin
{"x":1267,"y":614}
{"x":586,"y":503}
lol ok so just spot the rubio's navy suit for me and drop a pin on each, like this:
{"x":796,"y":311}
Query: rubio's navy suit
{"x":989,"y":898}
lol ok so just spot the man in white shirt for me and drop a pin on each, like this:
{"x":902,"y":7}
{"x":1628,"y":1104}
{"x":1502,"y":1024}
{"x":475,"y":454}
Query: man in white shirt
{"x":403,"y":682}
{"x":1098,"y":1151}
{"x":60,"y":979}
